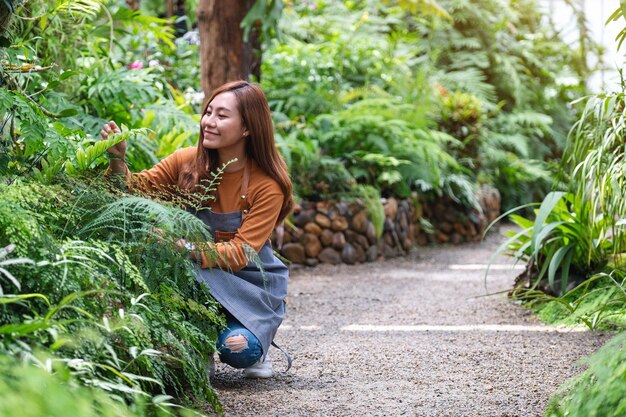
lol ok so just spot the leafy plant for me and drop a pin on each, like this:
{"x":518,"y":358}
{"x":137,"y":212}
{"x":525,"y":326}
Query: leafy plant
{"x":102,"y":333}
{"x":598,"y":391}
{"x":563,"y":239}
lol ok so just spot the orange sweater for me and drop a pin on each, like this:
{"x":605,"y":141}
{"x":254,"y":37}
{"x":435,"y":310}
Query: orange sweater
{"x":264,"y":196}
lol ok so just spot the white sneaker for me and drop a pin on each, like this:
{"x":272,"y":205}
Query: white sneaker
{"x":261,"y":369}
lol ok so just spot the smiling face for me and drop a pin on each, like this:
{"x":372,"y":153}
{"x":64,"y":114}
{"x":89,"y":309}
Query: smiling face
{"x":223,"y":128}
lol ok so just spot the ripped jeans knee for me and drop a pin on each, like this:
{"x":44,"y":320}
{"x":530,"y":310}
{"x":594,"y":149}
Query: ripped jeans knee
{"x":238,"y":346}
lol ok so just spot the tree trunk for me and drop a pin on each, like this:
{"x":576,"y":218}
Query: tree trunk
{"x":133,"y":4}
{"x":169,"y":8}
{"x":224,"y":56}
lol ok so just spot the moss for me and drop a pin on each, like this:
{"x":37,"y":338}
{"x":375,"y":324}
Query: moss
{"x":600,"y":305}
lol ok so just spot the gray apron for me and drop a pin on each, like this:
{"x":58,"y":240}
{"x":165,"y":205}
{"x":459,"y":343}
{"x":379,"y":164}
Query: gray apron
{"x":253,"y":296}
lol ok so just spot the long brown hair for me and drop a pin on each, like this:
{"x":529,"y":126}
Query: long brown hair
{"x":260,"y":145}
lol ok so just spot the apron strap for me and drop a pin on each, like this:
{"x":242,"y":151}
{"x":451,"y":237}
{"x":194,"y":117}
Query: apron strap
{"x":287,"y":355}
{"x":243,"y":203}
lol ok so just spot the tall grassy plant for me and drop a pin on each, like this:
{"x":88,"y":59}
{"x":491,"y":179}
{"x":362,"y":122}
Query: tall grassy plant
{"x":596,"y":155}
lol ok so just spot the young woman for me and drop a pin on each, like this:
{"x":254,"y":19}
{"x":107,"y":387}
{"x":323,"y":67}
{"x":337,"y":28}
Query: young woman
{"x":254,"y":194}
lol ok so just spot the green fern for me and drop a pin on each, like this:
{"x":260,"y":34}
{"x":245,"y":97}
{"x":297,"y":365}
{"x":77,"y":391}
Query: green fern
{"x":134,"y":218}
{"x":80,"y":9}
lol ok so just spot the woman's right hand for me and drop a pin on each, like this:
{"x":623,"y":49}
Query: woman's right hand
{"x":118,"y":150}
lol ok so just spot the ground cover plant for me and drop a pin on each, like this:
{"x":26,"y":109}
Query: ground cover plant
{"x":598,"y":391}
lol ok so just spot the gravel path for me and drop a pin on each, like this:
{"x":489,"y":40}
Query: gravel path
{"x":410,"y":337}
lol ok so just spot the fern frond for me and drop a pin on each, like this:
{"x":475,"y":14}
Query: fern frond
{"x":80,"y":9}
{"x":470,"y":80}
{"x":136,"y":217}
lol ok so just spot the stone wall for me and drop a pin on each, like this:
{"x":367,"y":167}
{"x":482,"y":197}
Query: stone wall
{"x":342,"y":232}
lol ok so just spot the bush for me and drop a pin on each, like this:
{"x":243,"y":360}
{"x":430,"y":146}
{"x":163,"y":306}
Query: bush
{"x":599,"y":391}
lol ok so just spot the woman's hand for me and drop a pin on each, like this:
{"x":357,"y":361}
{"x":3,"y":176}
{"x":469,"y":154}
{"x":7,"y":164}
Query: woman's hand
{"x":183,"y":245}
{"x":118,"y":150}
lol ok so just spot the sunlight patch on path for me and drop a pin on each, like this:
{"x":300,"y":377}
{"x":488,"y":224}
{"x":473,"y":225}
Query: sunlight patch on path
{"x":460,"y":328}
{"x":374,"y":328}
{"x":482,"y":267}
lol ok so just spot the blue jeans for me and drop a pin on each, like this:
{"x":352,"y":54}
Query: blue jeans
{"x":244,"y":358}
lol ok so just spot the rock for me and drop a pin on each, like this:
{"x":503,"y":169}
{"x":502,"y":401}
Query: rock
{"x":338,"y":240}
{"x":421,"y":239}
{"x":332,"y":213}
{"x":371,"y":233}
{"x":359,"y":221}
{"x":389,"y":225}
{"x":356,"y":206}
{"x":313,"y":228}
{"x":326,"y":237}
{"x":297,"y":234}
{"x":339,"y":224}
{"x":452,"y":212}
{"x":471,"y":229}
{"x":391,"y":208}
{"x":329,"y":256}
{"x":388,"y":239}
{"x":350,"y":235}
{"x":322,"y":220}
{"x":348,"y":254}
{"x":371,"y":254}
{"x":445,"y":227}
{"x":439,"y":211}
{"x":362,"y":241}
{"x":322,"y":206}
{"x":419,"y":211}
{"x":442,"y":237}
{"x":403,"y":220}
{"x":360,"y":254}
{"x":294,"y":252}
{"x":342,"y":209}
{"x":459,"y":228}
{"x":389,"y":251}
{"x":456,"y":238}
{"x":312,"y":262}
{"x":312,"y":245}
{"x":402,"y":233}
{"x":304,"y":217}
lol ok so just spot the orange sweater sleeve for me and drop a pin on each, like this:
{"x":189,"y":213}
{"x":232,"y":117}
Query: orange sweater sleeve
{"x":265,"y":204}
{"x":161,"y":179}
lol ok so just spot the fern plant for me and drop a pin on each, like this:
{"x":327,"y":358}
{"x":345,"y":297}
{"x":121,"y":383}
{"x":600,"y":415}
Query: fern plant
{"x":598,"y":391}
{"x":109,"y":326}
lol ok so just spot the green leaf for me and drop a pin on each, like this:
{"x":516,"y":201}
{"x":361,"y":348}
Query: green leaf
{"x":544,"y":211}
{"x":68,"y":113}
{"x":43,"y":22}
{"x":67,"y":74}
{"x":9,"y":298}
{"x":6,"y":100}
{"x":555,"y":262}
